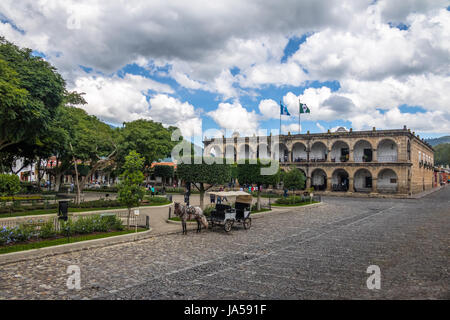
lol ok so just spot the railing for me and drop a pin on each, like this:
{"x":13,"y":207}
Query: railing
{"x":339,"y":187}
{"x":141,"y":219}
{"x":362,"y":159}
{"x":387,"y":158}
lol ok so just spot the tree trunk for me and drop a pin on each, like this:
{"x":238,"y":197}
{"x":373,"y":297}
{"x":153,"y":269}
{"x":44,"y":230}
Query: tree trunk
{"x":58,"y":176}
{"x":77,"y":181}
{"x":258,"y":203}
{"x":128,"y":218}
{"x":202,"y":194}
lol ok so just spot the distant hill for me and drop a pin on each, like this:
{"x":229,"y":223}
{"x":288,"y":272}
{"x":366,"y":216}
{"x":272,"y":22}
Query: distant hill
{"x":436,"y":141}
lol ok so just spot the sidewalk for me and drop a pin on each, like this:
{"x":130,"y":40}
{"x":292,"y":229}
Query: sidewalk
{"x":427,"y":192}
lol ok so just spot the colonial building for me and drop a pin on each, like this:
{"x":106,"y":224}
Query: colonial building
{"x":372,"y":162}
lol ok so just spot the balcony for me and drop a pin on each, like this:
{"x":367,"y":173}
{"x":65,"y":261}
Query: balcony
{"x":387,"y":158}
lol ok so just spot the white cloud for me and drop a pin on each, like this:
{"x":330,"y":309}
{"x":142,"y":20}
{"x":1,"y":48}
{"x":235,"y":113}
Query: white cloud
{"x":269,"y":108}
{"x":171,"y":111}
{"x":234,"y":117}
{"x":290,"y":128}
{"x":376,"y":65}
{"x":118,"y":99}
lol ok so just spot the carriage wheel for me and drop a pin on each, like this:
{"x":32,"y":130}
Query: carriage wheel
{"x":227,"y":226}
{"x":247,"y":223}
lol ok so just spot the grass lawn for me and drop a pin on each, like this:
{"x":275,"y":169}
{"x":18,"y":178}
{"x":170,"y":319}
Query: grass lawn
{"x":262,"y":210}
{"x":71,"y":210}
{"x":294,"y":205}
{"x":178,"y":219}
{"x":59,"y":241}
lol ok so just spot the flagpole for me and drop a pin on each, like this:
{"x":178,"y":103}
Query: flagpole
{"x":280,"y":118}
{"x":299,"y":106}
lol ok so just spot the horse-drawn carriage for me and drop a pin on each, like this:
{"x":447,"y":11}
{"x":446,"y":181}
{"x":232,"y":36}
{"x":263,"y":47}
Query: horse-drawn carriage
{"x":225,"y":215}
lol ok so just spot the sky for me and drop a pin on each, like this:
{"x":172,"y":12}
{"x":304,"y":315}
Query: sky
{"x":215,"y":67}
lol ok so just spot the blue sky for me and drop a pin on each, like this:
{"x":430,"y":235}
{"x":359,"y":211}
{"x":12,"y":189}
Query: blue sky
{"x":356,"y":64}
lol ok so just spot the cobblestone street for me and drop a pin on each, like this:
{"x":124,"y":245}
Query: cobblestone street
{"x":309,"y":253}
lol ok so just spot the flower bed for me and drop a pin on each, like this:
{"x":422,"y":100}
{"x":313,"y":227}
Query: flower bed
{"x":27,"y":233}
{"x":293,"y":201}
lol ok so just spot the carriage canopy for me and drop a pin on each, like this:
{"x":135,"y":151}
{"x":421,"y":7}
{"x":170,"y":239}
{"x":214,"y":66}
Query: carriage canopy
{"x":241,"y":196}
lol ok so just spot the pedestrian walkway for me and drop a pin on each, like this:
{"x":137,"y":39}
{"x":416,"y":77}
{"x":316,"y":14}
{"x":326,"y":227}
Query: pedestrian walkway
{"x":427,"y":192}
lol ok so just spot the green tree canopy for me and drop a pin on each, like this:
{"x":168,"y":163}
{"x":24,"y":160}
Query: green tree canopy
{"x":294,"y":179}
{"x":30,"y":92}
{"x":442,"y":154}
{"x":130,"y":190}
{"x":251,"y":174}
{"x":148,"y":138}
{"x":200,"y":172}
{"x":9,"y":184}
{"x":163,"y":171}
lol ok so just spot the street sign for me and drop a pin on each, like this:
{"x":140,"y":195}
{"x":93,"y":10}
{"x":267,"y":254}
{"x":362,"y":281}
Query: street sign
{"x":136,"y":212}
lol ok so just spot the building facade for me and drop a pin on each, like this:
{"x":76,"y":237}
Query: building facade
{"x":371,"y":162}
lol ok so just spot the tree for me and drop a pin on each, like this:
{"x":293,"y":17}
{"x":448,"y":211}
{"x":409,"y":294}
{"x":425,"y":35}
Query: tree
{"x":202,"y":173}
{"x":294,"y":179}
{"x":251,"y":174}
{"x":163,"y":171}
{"x":30,"y":92}
{"x":130,"y":190}
{"x":442,"y":154}
{"x":9,"y":184}
{"x":148,"y":138}
{"x":90,"y":142}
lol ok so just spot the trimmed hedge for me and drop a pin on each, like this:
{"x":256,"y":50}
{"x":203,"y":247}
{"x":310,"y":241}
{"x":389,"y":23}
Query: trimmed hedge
{"x":293,"y":200}
{"x":83,"y":225}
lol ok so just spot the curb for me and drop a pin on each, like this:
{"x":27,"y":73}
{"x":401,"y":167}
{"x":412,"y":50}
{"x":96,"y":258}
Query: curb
{"x":48,"y":215}
{"x":296,"y":207}
{"x":72,"y":247}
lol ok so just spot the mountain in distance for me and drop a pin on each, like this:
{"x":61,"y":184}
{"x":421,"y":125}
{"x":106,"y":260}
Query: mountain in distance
{"x":436,"y":141}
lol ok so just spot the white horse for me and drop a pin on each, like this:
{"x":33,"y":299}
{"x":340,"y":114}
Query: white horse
{"x":189,"y":213}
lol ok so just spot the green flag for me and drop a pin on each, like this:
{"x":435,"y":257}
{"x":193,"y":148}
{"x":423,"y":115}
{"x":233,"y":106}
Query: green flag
{"x":304,"y":108}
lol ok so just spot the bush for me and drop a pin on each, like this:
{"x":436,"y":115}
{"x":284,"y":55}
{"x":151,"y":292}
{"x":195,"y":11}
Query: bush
{"x":155,"y":200}
{"x":47,"y":230}
{"x":23,"y":233}
{"x":207,"y":211}
{"x":292,"y":200}
{"x":66,"y":228}
{"x":9,"y":184}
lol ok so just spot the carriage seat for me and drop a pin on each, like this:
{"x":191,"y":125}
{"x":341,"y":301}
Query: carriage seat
{"x":222,"y":207}
{"x":240,"y":208}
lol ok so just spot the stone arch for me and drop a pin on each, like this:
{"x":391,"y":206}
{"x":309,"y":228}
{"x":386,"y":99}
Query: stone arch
{"x":245,"y":152}
{"x":319,"y":179}
{"x":318,"y":152}
{"x":282,"y":151}
{"x":299,"y":152}
{"x":387,"y":151}
{"x":340,"y":180}
{"x":362,"y":151}
{"x":340,"y":151}
{"x":214,"y":151}
{"x":263,"y":151}
{"x":387,"y":181}
{"x":362,"y":180}
{"x":230,"y":152}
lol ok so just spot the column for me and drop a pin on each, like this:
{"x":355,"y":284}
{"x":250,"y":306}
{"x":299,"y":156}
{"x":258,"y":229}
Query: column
{"x":329,"y":183}
{"x":350,"y":185}
{"x":308,"y":182}
{"x":374,"y":155}
{"x":374,"y":185}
